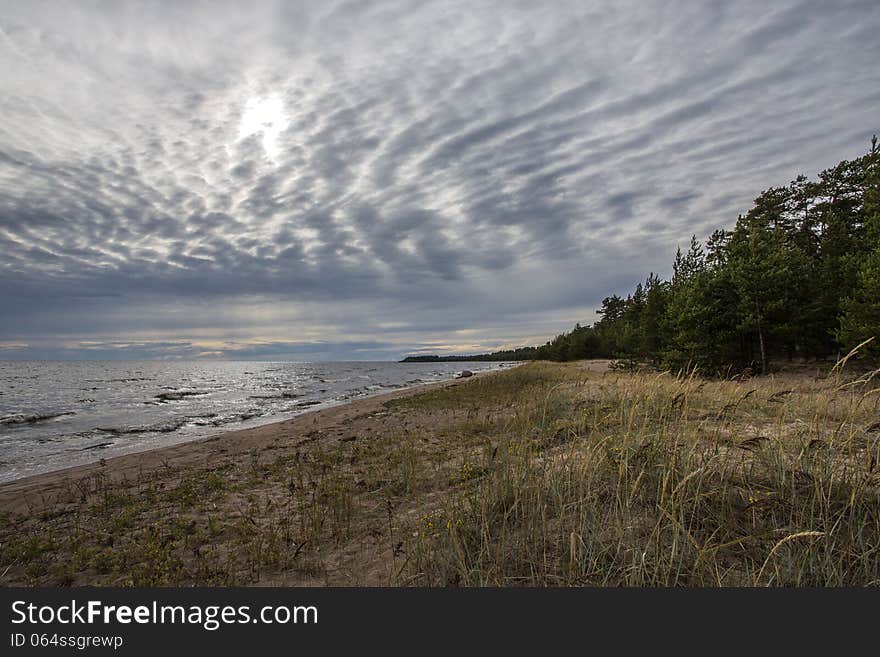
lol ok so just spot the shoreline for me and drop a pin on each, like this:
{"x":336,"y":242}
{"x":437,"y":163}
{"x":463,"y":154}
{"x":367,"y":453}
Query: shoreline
{"x":22,"y":495}
{"x":107,"y":421}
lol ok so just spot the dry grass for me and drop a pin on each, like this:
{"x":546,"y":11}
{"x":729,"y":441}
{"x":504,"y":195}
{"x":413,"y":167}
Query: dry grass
{"x":547,"y":474}
{"x":659,"y":480}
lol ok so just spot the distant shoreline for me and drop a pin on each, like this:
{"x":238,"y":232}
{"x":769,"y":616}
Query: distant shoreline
{"x":477,"y":358}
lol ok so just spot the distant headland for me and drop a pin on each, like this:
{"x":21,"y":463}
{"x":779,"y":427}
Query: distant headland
{"x":523,"y":353}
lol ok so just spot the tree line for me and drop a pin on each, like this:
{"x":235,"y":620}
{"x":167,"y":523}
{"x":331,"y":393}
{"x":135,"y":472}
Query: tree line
{"x":798,"y":276}
{"x":521,"y":353}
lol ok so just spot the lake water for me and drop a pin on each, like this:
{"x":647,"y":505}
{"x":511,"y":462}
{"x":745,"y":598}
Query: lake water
{"x":58,"y":414}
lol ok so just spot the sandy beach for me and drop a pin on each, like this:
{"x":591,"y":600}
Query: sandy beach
{"x":545,"y":474}
{"x":337,"y":423}
{"x":148,"y":483}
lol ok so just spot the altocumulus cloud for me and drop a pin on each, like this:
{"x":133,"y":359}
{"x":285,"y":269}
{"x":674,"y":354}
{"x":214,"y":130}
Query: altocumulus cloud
{"x":362,"y":179}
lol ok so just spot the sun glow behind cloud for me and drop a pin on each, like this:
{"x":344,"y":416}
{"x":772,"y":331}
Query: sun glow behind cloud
{"x":265,"y":115}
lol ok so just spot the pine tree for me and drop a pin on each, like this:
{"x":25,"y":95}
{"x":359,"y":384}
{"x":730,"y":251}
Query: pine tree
{"x":861,"y":309}
{"x":767,"y":271}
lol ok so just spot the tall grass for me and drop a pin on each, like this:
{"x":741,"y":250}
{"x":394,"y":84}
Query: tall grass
{"x":662,"y":480}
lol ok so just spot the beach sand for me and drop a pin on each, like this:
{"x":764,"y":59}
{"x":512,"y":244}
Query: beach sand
{"x":343,"y":422}
{"x":331,"y":497}
{"x":147,"y":487}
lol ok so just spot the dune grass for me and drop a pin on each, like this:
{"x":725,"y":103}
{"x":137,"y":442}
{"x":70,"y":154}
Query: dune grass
{"x":542,"y":475}
{"x":659,"y":480}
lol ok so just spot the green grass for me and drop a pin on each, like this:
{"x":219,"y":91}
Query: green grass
{"x":657,"y":480}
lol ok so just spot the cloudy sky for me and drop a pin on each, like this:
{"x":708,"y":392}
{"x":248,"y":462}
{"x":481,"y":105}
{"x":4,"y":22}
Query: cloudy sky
{"x":359,"y":180}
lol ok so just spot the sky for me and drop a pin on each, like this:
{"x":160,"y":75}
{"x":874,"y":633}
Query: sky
{"x":362,"y":180}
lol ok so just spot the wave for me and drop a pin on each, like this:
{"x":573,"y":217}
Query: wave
{"x":175,"y":424}
{"x":98,"y":446}
{"x":31,"y":418}
{"x":283,"y":395}
{"x":164,"y":427}
{"x":177,"y":395}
